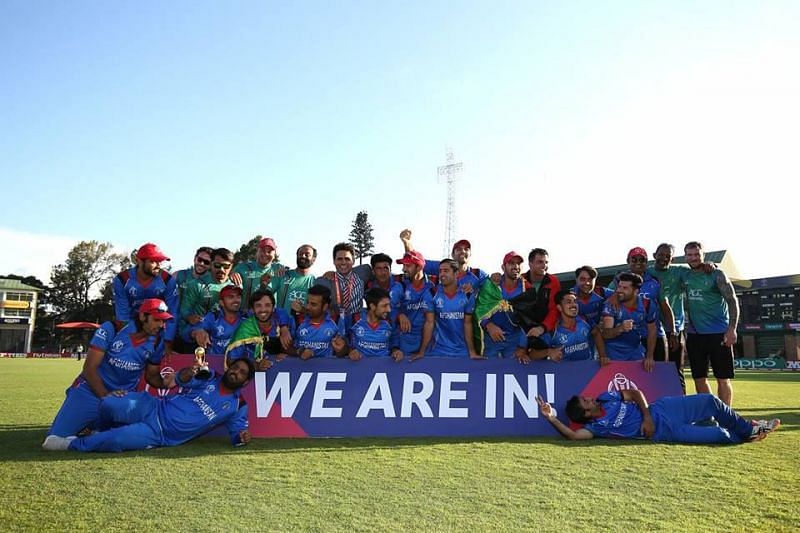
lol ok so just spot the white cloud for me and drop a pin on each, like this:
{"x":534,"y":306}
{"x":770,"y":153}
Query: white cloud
{"x":32,"y":254}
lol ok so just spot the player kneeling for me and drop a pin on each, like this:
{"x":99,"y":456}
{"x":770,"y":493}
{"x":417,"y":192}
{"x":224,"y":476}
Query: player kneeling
{"x":139,"y":421}
{"x":626,"y":414}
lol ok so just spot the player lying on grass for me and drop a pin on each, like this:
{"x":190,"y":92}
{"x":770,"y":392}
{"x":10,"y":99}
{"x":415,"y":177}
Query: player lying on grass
{"x":626,"y":414}
{"x":139,"y":421}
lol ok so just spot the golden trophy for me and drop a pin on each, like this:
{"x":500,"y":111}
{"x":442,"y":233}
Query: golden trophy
{"x":200,"y":360}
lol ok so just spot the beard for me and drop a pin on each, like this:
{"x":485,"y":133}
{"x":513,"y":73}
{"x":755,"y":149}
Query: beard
{"x":226,"y":380}
{"x":303,"y":263}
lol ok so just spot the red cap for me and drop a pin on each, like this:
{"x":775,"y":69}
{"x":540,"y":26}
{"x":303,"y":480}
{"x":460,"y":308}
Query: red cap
{"x":637,"y":251}
{"x":152,"y":252}
{"x":156,"y":308}
{"x":412,"y":258}
{"x":227,"y":289}
{"x":462,"y":242}
{"x":510,"y":256}
{"x":268,"y":241}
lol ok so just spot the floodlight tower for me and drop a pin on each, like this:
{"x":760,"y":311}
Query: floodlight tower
{"x":450,"y":173}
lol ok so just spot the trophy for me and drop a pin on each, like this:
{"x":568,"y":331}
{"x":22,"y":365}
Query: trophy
{"x":200,"y":359}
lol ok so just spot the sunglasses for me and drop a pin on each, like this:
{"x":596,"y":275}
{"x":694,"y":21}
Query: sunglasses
{"x":638,"y":260}
{"x":202,"y":261}
{"x":223,"y":266}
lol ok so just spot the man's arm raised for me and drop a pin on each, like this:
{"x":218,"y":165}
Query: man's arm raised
{"x":547,"y":412}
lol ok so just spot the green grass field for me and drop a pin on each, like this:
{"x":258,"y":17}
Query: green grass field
{"x":401,"y":484}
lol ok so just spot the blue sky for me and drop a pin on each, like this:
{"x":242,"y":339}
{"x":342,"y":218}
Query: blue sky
{"x":586,"y":128}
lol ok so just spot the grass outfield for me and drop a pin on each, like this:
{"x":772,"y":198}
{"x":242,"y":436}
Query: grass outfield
{"x":400,"y":484}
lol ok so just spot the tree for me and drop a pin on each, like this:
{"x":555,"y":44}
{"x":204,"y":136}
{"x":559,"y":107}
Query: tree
{"x":361,"y":236}
{"x":247,"y":251}
{"x":79,"y":284}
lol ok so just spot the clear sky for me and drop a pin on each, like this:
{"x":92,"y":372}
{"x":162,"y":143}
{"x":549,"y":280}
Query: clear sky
{"x":585,"y":128}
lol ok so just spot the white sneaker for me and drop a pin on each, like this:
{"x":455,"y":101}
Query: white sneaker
{"x":54,"y":443}
{"x":762,"y":428}
{"x":770,"y":425}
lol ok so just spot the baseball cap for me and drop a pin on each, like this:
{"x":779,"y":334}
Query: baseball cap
{"x":412,"y":258}
{"x":510,"y":256}
{"x":463,"y":242}
{"x":152,"y":252}
{"x":268,"y":241}
{"x":155,"y":308}
{"x":637,"y":251}
{"x":227,"y":289}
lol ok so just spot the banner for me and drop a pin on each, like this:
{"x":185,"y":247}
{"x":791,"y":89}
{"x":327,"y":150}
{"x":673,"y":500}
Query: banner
{"x":764,"y":363}
{"x":432,"y":397}
{"x":38,"y":355}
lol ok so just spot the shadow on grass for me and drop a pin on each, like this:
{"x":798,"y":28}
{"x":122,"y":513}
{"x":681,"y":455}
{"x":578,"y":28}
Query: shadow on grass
{"x":22,"y":443}
{"x":772,"y":376}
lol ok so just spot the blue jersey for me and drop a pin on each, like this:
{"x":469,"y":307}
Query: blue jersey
{"x":413,"y":305}
{"x":651,"y":288}
{"x":129,"y":295}
{"x":628,"y":346}
{"x":124,"y":361}
{"x":219,"y":329}
{"x":450,"y":313}
{"x":316,"y":337}
{"x":200,"y":406}
{"x":395,"y":291}
{"x":372,"y":340}
{"x":590,"y":307}
{"x":577,"y":342}
{"x":621,"y":419}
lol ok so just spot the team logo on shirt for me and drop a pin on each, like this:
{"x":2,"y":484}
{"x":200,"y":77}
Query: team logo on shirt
{"x":621,"y":382}
{"x":359,"y":331}
{"x":220,"y":330}
{"x":439,"y":303}
{"x":101,"y":333}
{"x":562,"y":338}
{"x":297,"y":295}
{"x":117,"y":346}
{"x":132,"y":291}
{"x":302,"y":332}
{"x":226,"y":406}
{"x":209,"y":389}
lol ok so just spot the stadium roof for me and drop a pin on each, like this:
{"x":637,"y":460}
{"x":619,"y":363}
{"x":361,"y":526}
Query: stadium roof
{"x":720,"y":257}
{"x":16,"y":285}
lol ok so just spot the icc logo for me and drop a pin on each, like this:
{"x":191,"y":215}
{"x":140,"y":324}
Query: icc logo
{"x":621,"y":382}
{"x":165,"y":373}
{"x":439,"y":303}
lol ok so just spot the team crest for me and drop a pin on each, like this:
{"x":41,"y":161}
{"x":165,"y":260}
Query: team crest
{"x":165,"y":373}
{"x":359,"y":331}
{"x":621,"y":382}
{"x":226,"y":406}
{"x":220,"y":330}
{"x":209,"y":389}
{"x":117,"y":346}
{"x":302,"y":332}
